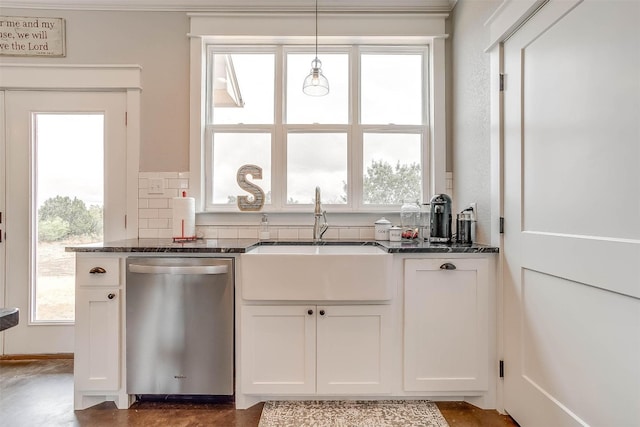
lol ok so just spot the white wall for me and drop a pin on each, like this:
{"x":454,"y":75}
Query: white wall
{"x":158,"y":42}
{"x":469,"y":113}
{"x":155,"y":40}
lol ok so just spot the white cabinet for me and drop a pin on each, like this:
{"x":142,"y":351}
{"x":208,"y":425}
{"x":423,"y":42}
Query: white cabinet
{"x":98,"y":331}
{"x":308,"y":349}
{"x":278,"y":349}
{"x":97,"y":354}
{"x":446,"y":325}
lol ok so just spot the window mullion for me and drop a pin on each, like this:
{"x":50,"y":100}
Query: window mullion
{"x":355,"y":135}
{"x":278,"y":143}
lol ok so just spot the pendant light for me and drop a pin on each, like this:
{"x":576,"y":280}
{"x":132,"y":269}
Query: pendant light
{"x":316,"y":84}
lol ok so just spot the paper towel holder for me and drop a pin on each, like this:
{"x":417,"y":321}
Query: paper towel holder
{"x":185,"y":224}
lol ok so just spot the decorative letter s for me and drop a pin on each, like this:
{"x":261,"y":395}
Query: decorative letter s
{"x":258,"y":195}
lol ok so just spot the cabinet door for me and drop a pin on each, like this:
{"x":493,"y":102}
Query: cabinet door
{"x":97,"y":337}
{"x":354,"y":349}
{"x":446,"y":325}
{"x":278,"y":346}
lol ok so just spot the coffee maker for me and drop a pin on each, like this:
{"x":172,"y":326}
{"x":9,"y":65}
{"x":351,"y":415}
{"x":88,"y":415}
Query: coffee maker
{"x":440,"y":219}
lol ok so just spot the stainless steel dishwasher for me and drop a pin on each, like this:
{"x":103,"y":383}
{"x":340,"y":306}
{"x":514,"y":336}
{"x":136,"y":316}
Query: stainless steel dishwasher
{"x":179,"y":326}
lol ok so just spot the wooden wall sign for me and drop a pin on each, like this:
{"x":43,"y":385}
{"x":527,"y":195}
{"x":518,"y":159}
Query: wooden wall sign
{"x":257,"y":201}
{"x":32,"y":36}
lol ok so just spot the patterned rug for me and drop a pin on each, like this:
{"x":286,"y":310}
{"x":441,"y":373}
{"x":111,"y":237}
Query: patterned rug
{"x":352,"y":413}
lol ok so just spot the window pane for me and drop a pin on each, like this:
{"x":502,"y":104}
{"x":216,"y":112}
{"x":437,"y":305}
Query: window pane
{"x":392,"y":89}
{"x":331,"y":108}
{"x":317,"y":160}
{"x":230,"y":152}
{"x":392,"y":168}
{"x":242,"y":88}
{"x":69,"y":200}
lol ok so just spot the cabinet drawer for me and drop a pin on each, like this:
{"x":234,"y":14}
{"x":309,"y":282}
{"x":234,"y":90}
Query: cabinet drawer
{"x":97,"y":271}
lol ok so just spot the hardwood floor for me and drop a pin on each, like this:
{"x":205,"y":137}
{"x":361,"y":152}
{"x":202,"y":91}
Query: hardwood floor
{"x":37,"y":393}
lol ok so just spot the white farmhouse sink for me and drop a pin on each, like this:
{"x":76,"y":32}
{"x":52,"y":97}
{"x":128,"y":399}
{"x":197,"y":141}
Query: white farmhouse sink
{"x":317,"y":273}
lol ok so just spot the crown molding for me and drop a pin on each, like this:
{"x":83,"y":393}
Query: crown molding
{"x":405,"y":6}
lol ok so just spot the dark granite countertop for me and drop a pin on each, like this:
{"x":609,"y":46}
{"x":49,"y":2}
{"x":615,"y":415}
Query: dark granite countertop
{"x":238,"y":246}
{"x":169,"y":246}
{"x":9,"y":317}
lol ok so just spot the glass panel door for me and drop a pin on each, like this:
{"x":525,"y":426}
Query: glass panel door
{"x":65,"y":164}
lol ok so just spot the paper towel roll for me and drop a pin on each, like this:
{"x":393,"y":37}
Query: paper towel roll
{"x":184,"y":218}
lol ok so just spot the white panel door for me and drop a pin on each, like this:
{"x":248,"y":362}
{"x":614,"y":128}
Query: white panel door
{"x":572,"y":216}
{"x":23,"y":110}
{"x":446,"y":324}
{"x":354,"y":349}
{"x":278,"y":349}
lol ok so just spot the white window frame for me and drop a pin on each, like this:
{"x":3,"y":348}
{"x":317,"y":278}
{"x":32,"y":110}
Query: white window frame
{"x":289,"y":28}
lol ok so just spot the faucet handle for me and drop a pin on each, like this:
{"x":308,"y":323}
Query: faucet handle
{"x":325,"y":224}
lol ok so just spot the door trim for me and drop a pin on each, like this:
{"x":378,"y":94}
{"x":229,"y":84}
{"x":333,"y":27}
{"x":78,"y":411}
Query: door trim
{"x":2,"y":210}
{"x":76,"y":77}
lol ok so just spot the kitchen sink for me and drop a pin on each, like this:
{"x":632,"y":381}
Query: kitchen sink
{"x":317,"y":273}
{"x":317,"y":249}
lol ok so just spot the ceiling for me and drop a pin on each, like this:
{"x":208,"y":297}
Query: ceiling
{"x":236,"y":5}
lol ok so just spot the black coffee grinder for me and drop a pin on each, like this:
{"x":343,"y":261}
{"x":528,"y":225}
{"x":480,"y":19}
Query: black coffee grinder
{"x":440,"y":219}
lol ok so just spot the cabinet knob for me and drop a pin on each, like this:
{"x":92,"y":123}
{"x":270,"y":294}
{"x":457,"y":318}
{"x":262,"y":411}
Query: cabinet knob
{"x":447,"y":266}
{"x":309,"y":312}
{"x":321,"y":312}
{"x":111,"y":296}
{"x":97,"y":270}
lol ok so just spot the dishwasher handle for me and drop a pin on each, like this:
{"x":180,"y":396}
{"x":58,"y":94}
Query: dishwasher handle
{"x":178,"y":269}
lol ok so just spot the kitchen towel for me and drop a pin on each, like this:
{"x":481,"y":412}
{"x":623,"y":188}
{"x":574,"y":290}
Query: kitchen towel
{"x":184,"y":218}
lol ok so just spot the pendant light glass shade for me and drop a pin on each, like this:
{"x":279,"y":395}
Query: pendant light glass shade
{"x":316,"y":84}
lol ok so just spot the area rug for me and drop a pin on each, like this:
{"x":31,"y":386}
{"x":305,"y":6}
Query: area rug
{"x":351,"y":413}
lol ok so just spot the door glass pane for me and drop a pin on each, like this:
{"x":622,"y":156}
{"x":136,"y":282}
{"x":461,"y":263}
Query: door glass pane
{"x":391,"y":89}
{"x":69,"y":193}
{"x":392,"y":168}
{"x":230,"y":152}
{"x":317,"y":159}
{"x":331,"y":108}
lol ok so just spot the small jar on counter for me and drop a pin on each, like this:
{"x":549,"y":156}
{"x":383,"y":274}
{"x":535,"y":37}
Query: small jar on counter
{"x":382,"y":227}
{"x":395,"y":234}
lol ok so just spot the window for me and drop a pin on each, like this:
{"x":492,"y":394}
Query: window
{"x":365,"y":143}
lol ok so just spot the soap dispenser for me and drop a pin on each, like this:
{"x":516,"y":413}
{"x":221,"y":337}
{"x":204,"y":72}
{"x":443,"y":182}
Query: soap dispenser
{"x":264,"y":228}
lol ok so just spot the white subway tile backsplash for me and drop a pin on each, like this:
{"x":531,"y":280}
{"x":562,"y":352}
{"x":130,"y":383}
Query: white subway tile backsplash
{"x":158,"y":203}
{"x":305,"y":233}
{"x":248,"y":233}
{"x":165,"y":213}
{"x":349,"y":233}
{"x":332,"y":233}
{"x":159,"y":223}
{"x":164,"y":233}
{"x":181,"y":184}
{"x":287,"y":234}
{"x":367,"y":233}
{"x":148,"y":233}
{"x":207,"y":232}
{"x":228,"y":233}
{"x":155,"y":216}
{"x":148,"y":213}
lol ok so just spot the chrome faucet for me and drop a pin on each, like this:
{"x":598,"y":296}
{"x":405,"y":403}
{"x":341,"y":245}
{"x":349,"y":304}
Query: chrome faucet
{"x":320,"y":225}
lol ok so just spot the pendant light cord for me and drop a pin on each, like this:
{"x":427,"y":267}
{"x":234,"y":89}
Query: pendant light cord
{"x":316,"y":29}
